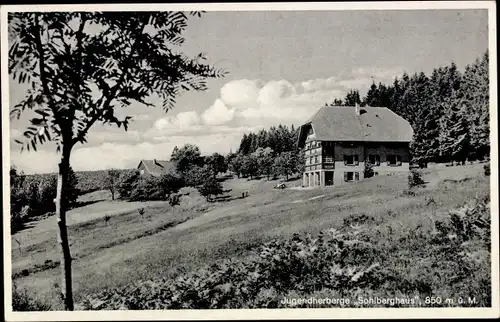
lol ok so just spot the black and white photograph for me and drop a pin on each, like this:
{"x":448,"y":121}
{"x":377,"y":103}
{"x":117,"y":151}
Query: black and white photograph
{"x":250,"y":160}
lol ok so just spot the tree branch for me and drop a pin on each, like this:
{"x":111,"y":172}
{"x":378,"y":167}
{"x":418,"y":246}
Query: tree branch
{"x":44,"y":79}
{"x":112,"y":93}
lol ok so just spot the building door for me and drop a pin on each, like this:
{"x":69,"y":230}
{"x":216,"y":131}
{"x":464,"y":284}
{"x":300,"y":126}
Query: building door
{"x":328,"y":178}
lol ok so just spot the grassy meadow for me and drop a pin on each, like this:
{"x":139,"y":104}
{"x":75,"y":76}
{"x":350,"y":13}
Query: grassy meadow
{"x":114,"y":244}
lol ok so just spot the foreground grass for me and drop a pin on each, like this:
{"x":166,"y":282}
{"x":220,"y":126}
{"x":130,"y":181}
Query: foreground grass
{"x":398,"y":226}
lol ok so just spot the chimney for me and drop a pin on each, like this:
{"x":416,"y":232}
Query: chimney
{"x":356,"y":108}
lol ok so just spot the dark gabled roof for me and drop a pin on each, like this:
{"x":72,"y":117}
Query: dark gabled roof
{"x":156,"y":167}
{"x":342,"y":123}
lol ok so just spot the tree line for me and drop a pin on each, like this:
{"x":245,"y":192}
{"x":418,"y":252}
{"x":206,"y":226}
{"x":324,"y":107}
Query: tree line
{"x":269,"y":153}
{"x":33,"y":196}
{"x":448,"y":110}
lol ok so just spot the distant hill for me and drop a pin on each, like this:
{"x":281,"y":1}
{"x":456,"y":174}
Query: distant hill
{"x":88,"y":181}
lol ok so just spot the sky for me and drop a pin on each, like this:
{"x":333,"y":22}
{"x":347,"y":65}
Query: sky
{"x":282,"y":66}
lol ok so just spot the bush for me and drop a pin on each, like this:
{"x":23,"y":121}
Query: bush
{"x":486,"y":168}
{"x":127,"y":182}
{"x":471,"y":220}
{"x":368,"y":172}
{"x":415,"y":179}
{"x":197,"y":175}
{"x":333,"y":260}
{"x":22,"y":301}
{"x":148,"y":188}
{"x":211,"y":187}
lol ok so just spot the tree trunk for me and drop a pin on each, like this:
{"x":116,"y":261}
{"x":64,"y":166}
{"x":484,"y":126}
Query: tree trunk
{"x":112,"y":194}
{"x":66,"y":286}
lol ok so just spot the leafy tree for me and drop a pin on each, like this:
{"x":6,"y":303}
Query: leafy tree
{"x":112,"y":179}
{"x":17,"y":200}
{"x":170,"y":183}
{"x":217,"y":162}
{"x":301,"y":160}
{"x":265,"y":161}
{"x":147,"y":188}
{"x":236,"y":164}
{"x":210,"y":187}
{"x":197,"y":175}
{"x":47,"y":191}
{"x":250,"y":166}
{"x":186,"y":157}
{"x":286,"y":164}
{"x":127,"y":182}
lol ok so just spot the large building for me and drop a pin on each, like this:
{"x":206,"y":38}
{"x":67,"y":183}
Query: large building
{"x":339,"y":140}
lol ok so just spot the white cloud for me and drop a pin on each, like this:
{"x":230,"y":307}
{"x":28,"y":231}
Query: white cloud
{"x":320,"y":84}
{"x":218,"y":113}
{"x":254,"y":102}
{"x":274,"y":91}
{"x":183,"y":120}
{"x":239,"y":92}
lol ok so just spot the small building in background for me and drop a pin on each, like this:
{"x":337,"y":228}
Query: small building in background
{"x":154,"y":167}
{"x":339,"y":140}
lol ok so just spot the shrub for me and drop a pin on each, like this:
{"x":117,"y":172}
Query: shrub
{"x":148,"y":188}
{"x":415,"y":179}
{"x":171,"y":183}
{"x":211,"y":187}
{"x":197,"y":175}
{"x":23,"y":301}
{"x":471,"y":220}
{"x":486,"y":168}
{"x":127,"y":182}
{"x":174,"y":200}
{"x":333,"y":260}
{"x":368,"y":172}
{"x":358,"y":219}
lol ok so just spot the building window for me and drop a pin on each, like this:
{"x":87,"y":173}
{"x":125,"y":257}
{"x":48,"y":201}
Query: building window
{"x":374,"y":159}
{"x":313,"y":144}
{"x":351,"y":176}
{"x":310,"y":160}
{"x":318,"y":144}
{"x":142,"y":172}
{"x":351,"y":159}
{"x":394,"y":160}
{"x":315,"y":159}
